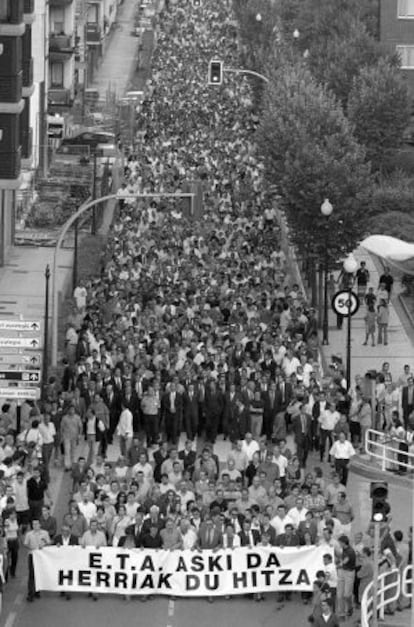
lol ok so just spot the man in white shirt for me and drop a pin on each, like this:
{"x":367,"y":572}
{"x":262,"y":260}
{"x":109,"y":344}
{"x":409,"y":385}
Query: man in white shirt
{"x":282,"y":462}
{"x":125,"y":430}
{"x":188,"y":534}
{"x":298,"y":513}
{"x":341,"y":451}
{"x":327,"y":421}
{"x":249,"y":446}
{"x":281,"y":519}
{"x":88,"y":508}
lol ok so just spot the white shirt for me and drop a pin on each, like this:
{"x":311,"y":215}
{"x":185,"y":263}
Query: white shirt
{"x":189,"y":539}
{"x":47,"y":432}
{"x":297,"y":515}
{"x":88,"y":510}
{"x":250,"y":448}
{"x":342,"y":450}
{"x":125,"y":428}
{"x":328,"y":419}
{"x":278,"y":523}
{"x":282,"y":463}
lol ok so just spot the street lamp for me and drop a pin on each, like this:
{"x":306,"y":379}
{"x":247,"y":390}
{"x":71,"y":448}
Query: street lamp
{"x":326,"y":210}
{"x":350,"y":266}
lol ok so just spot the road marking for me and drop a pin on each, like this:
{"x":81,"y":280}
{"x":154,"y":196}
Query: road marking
{"x":10,"y":619}
{"x":19,"y":599}
{"x":171,"y":607}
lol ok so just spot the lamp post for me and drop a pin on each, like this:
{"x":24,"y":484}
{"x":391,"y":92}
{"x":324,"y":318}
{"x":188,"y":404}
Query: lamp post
{"x":45,"y":362}
{"x":350,"y":266}
{"x":326,"y":210}
{"x":377,"y":520}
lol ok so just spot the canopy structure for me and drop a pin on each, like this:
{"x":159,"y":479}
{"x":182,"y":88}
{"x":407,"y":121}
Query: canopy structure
{"x":395,"y":252}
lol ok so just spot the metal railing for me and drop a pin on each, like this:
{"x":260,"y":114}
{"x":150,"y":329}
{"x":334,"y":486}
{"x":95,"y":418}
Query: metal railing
{"x":392,"y":452}
{"x":389,"y":590}
{"x":407,"y":582}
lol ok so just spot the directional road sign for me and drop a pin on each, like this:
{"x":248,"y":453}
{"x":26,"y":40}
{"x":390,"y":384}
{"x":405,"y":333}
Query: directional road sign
{"x":20,"y":325}
{"x":20,"y":393}
{"x":18,"y":375}
{"x":19,"y":342}
{"x":25,"y":360}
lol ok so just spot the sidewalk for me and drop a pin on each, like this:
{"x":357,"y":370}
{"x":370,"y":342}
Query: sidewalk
{"x":400,"y":348}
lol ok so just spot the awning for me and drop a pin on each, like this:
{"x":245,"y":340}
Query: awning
{"x":395,"y":252}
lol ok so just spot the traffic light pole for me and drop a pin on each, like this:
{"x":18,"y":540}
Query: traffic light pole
{"x":375,"y":574}
{"x":250,"y":72}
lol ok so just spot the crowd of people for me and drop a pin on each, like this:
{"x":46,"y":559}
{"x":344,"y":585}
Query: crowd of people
{"x":197,"y":328}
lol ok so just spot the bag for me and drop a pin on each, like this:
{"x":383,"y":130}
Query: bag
{"x":101,"y":426}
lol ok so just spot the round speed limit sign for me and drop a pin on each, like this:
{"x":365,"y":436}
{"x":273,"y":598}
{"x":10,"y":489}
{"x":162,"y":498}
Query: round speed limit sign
{"x":345,"y":302}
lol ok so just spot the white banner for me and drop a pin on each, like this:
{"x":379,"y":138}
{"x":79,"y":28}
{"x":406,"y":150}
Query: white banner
{"x":179,"y":573}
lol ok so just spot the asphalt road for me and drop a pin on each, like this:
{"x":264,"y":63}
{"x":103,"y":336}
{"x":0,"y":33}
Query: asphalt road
{"x":53,"y":611}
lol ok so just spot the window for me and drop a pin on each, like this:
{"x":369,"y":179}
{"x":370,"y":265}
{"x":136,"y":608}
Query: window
{"x":406,"y":8}
{"x":93,"y":14}
{"x":57,"y":21}
{"x":4,"y":10}
{"x":406,"y":54}
{"x":56,"y":75}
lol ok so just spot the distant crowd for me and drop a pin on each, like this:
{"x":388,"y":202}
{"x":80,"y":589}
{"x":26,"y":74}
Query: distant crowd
{"x":198,"y":329}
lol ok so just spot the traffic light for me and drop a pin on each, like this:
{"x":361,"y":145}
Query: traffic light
{"x":379,"y":495}
{"x":215,"y":72}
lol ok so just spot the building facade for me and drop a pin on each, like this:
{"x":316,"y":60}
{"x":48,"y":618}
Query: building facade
{"x":397,"y":33}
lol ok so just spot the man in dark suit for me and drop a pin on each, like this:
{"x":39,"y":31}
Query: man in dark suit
{"x":209,"y":537}
{"x":249,"y":536}
{"x":407,"y":399}
{"x":188,"y":456}
{"x":172,"y":413}
{"x":131,"y":401}
{"x":272,"y":406}
{"x":213,"y":406}
{"x":230,"y":408}
{"x":302,"y":430}
{"x":137,"y":529}
{"x":65,"y":538}
{"x":191,"y":411}
{"x":113,"y":402}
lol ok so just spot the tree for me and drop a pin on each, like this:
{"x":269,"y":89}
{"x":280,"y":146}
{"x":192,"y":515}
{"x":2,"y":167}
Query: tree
{"x":310,"y":153}
{"x":379,"y":107}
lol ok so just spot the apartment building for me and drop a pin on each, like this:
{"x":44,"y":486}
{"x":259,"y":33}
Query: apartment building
{"x":397,"y":33}
{"x":61,"y":88}
{"x":16,"y":89}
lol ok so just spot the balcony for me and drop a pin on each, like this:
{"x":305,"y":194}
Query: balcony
{"x":28,"y":73}
{"x":29,"y":6}
{"x":59,"y":3}
{"x":11,"y":88}
{"x":60,"y":97}
{"x":93,"y":34}
{"x":61,"y":43}
{"x":13,"y":13}
{"x":10,"y":164}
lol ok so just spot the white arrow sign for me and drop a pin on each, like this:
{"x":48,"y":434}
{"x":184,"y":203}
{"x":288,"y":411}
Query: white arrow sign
{"x":20,"y":325}
{"x":15,"y":359}
{"x":19,"y":342}
{"x":20,"y":393}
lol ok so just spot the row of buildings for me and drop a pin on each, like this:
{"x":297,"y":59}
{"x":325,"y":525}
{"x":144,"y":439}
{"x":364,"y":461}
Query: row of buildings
{"x":49,"y":50}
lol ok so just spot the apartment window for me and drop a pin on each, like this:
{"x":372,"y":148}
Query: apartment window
{"x":58,"y":21}
{"x":93,"y":14}
{"x":4,"y":10}
{"x":406,"y":9}
{"x":56,"y":75}
{"x":406,"y":54}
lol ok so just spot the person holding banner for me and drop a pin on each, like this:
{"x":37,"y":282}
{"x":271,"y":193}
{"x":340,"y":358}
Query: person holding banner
{"x":65,"y":538}
{"x":96,"y":538}
{"x":37,"y":538}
